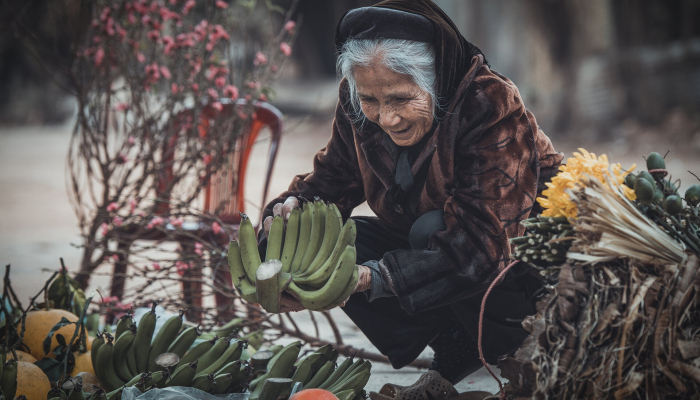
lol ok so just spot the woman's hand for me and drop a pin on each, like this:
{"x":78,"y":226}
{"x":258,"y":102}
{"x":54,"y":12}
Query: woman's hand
{"x":364,"y":282}
{"x":283,"y":209}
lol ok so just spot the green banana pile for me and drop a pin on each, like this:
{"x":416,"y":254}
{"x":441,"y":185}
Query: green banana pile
{"x":546,"y":243}
{"x":658,"y":199}
{"x":8,"y":375}
{"x":316,"y":370}
{"x":133,"y":357}
{"x":312,"y":257}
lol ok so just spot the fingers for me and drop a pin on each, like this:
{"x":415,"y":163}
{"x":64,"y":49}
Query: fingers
{"x":267,"y":224}
{"x":365,"y":280}
{"x":289,"y":204}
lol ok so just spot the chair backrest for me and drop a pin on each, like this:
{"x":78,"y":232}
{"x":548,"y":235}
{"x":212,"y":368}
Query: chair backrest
{"x":227,"y":187}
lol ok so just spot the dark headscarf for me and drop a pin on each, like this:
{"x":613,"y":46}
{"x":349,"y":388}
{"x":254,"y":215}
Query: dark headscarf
{"x":453,"y":53}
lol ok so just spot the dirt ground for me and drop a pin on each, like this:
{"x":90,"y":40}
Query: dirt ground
{"x":37,"y":224}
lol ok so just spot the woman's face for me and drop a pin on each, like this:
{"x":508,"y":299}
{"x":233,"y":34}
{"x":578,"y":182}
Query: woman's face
{"x":394,"y":102}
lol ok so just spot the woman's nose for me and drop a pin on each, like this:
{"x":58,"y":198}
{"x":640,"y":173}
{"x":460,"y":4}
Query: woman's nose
{"x":388,"y":117}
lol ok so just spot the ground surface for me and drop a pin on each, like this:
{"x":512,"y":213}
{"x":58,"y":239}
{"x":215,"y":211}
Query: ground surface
{"x":37,"y":224}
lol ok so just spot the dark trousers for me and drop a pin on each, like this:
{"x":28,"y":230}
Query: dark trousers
{"x":402,"y":337}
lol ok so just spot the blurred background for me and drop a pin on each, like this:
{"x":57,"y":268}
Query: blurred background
{"x":620,"y":77}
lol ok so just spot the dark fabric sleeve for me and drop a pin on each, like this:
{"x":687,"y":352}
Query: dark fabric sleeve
{"x":494,"y":187}
{"x":336,"y":175}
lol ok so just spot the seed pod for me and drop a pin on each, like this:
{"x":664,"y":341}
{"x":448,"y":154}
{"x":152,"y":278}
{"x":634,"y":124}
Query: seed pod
{"x":692,"y":195}
{"x":656,"y":161}
{"x":630,"y":180}
{"x":673,"y":204}
{"x":644,"y":191}
{"x":658,"y":196}
{"x":646,"y":175}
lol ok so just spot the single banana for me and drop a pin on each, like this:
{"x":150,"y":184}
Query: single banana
{"x":290,"y":239}
{"x":316,"y":238}
{"x":204,"y":383}
{"x":256,"y":382}
{"x":8,"y":380}
{"x":282,"y":366}
{"x":346,"y":292}
{"x":356,"y":382}
{"x":232,"y":326}
{"x":142,"y":342}
{"x":333,"y":228}
{"x":121,"y":348}
{"x":347,"y":374}
{"x":230,"y":368}
{"x":130,"y":356}
{"x":275,"y":239}
{"x":222,"y":382}
{"x":123,"y":325}
{"x":303,"y":371}
{"x":249,"y":247}
{"x":212,"y":355}
{"x":165,"y":336}
{"x":319,"y":277}
{"x":96,"y":343}
{"x":321,"y":375}
{"x":345,"y":394}
{"x":105,"y":363}
{"x":277,"y":352}
{"x":184,"y":341}
{"x":136,"y":379}
{"x":323,"y":297}
{"x":335,"y":376}
{"x":232,"y":353}
{"x":304,"y":236}
{"x":239,"y":276}
{"x":183,"y":375}
{"x":196,"y":352}
{"x":115,"y":394}
{"x":155,"y":379}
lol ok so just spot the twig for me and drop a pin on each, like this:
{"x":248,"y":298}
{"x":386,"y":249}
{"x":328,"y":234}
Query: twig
{"x":313,"y":320}
{"x":336,"y":331}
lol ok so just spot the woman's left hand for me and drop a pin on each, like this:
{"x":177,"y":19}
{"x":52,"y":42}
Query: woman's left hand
{"x":364,"y":282}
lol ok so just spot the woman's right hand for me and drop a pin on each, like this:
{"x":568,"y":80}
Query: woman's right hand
{"x":283,"y":209}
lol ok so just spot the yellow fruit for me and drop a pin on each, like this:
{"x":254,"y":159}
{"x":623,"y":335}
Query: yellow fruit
{"x":39,"y":324}
{"x":83,"y":363}
{"x":22,"y":356}
{"x":31,"y":381}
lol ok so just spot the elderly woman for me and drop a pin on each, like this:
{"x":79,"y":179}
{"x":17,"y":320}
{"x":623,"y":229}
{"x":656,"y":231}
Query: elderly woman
{"x":449,"y":159}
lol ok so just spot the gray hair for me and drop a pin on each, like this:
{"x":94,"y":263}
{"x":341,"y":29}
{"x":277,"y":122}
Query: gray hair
{"x":415,"y":59}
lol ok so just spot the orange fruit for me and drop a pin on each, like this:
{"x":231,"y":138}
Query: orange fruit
{"x":83,"y":363}
{"x":22,"y":356}
{"x":39,"y":324}
{"x":313,"y":394}
{"x":31,"y":381}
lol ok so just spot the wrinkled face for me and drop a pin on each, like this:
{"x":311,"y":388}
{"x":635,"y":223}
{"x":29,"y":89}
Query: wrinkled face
{"x":394,"y":102}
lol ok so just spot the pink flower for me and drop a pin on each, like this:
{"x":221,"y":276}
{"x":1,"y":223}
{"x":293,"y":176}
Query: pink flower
{"x":165,"y":72}
{"x":273,"y":68}
{"x":140,"y":57}
{"x":260,"y":59}
{"x":206,"y":159}
{"x":221,"y":4}
{"x":156,"y":221}
{"x":122,"y":32}
{"x":113,"y":206}
{"x":110,"y":299}
{"x":105,"y":228}
{"x":195,"y":87}
{"x":131,"y":18}
{"x":117,"y":221}
{"x":99,"y":56}
{"x":231,"y":92}
{"x":115,"y":257}
{"x":153,"y":35}
{"x":211,"y":73}
{"x":105,"y":14}
{"x":132,"y":206}
{"x":156,"y":266}
{"x":209,"y":46}
{"x":188,"y":6}
{"x":289,"y":26}
{"x":198,"y":249}
{"x":262,"y":97}
{"x":217,"y":106}
{"x":146,"y":20}
{"x":216,"y":228}
{"x":253,"y":85}
{"x":110,"y":26}
{"x":122,"y":159}
{"x":220,"y":82}
{"x":122,"y":107}
{"x":169,"y":43}
{"x":176,"y":222}
{"x":213,"y":93}
{"x":173,"y":88}
{"x":131,"y":140}
{"x":286,"y":49}
{"x":182,"y":267}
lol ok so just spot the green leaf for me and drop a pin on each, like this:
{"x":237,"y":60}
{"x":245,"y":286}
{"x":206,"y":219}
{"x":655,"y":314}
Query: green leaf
{"x":66,"y":294}
{"x":52,"y":368}
{"x":47,"y":341}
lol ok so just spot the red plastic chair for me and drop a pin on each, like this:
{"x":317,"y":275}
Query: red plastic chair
{"x":225,"y":187}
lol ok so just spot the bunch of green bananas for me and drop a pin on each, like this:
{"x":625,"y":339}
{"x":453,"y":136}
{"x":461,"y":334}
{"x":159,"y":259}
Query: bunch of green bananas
{"x":658,"y":199}
{"x":312,"y":257}
{"x":131,"y":358}
{"x":8,"y":375}
{"x":546,"y":243}
{"x":316,"y":370}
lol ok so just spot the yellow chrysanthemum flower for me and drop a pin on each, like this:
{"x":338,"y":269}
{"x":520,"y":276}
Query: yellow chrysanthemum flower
{"x":556,"y":201}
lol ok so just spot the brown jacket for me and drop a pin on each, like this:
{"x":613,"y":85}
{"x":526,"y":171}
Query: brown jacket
{"x":481,"y":166}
